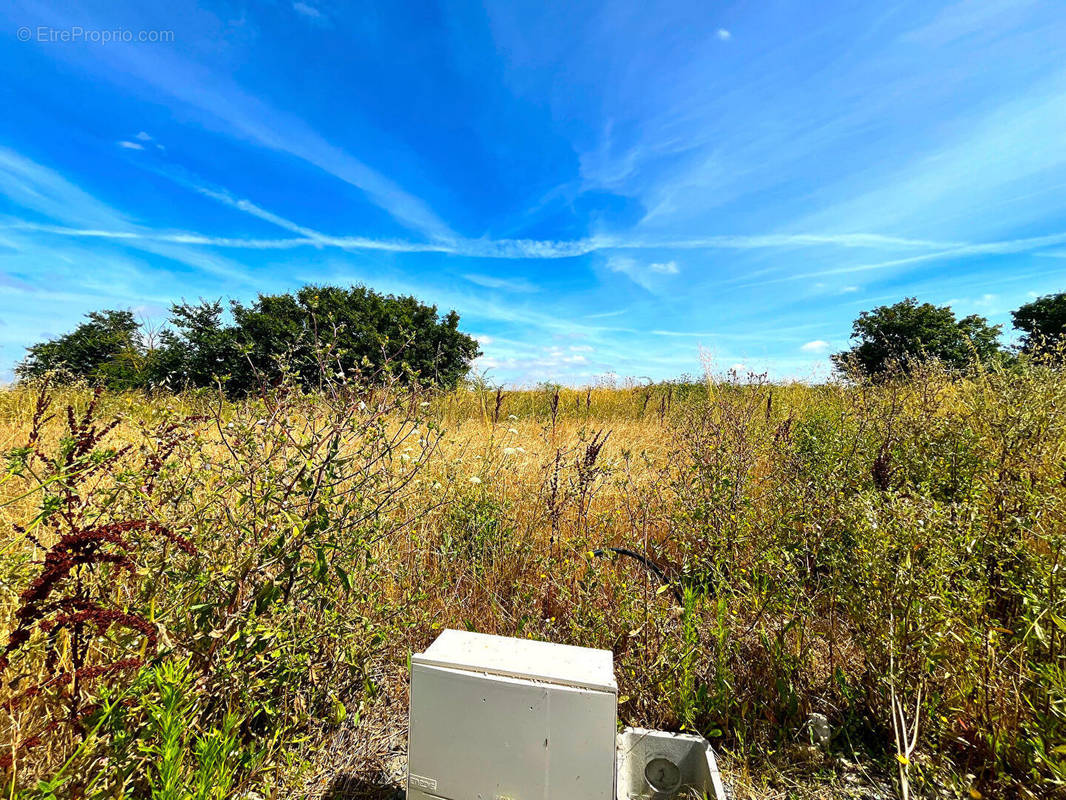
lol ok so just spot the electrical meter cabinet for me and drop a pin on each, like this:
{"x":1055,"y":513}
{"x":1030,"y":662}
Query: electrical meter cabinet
{"x":494,"y":718}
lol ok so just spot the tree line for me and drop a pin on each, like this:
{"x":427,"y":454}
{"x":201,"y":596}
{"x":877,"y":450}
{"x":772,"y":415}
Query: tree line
{"x":358,"y":330}
{"x":901,"y":335}
{"x":346,"y":331}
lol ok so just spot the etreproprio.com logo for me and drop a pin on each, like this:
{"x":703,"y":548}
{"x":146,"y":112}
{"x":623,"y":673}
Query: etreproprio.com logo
{"x":76,"y":33}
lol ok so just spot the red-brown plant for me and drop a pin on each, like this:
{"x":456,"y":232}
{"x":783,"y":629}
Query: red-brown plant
{"x":71,"y":600}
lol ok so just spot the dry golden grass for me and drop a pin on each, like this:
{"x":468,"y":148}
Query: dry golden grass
{"x":812,"y":532}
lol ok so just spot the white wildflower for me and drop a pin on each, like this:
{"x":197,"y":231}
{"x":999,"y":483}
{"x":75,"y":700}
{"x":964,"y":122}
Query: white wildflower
{"x":475,"y":479}
{"x":512,"y":430}
{"x":510,"y":451}
{"x":511,"y":416}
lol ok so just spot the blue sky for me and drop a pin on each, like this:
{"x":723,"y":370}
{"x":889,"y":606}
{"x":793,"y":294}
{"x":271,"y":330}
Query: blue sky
{"x":617,"y":187}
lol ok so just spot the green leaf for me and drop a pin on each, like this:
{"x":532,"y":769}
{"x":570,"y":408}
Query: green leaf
{"x":346,"y":580}
{"x":340,"y":712}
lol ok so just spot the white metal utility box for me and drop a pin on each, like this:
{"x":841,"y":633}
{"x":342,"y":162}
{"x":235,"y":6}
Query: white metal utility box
{"x":494,"y":718}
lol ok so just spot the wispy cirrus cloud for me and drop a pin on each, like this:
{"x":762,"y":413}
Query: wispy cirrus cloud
{"x":32,"y":186}
{"x":144,"y":235}
{"x":514,"y":248}
{"x":227,"y":107}
{"x":1032,"y":244}
{"x":987,"y":18}
{"x":39,"y":189}
{"x":547,"y":249}
{"x":248,"y":207}
{"x":249,"y":117}
{"x":506,"y":284}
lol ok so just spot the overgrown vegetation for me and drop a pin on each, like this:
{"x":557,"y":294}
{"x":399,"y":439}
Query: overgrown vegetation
{"x":888,"y":554}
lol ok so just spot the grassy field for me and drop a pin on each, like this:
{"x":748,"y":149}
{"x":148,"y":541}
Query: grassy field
{"x":217,"y":599}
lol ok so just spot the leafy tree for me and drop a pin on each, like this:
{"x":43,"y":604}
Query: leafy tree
{"x":196,"y":350}
{"x":908,"y":332}
{"x":1044,"y":324}
{"x":360,"y":329}
{"x":314,"y":329}
{"x":107,"y":348}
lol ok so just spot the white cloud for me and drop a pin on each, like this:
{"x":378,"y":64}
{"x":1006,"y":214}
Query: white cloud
{"x":985,"y":304}
{"x":131,"y":145}
{"x":849,"y":289}
{"x":536,"y":362}
{"x":144,"y":136}
{"x":665,"y":268}
{"x":624,"y":264}
{"x":723,"y":34}
{"x":817,"y":346}
{"x":308,"y":11}
{"x":507,"y":284}
{"x":640,"y":274}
